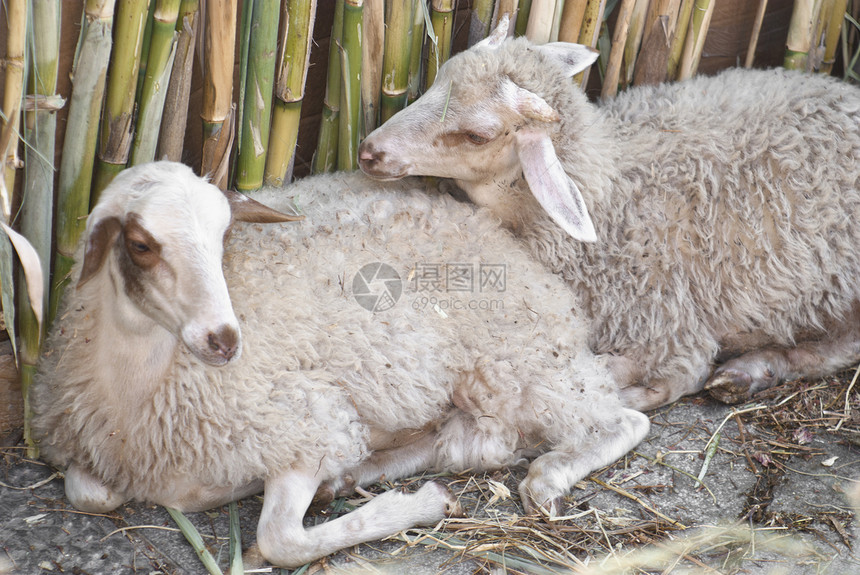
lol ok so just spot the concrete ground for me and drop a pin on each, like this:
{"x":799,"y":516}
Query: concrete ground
{"x":775,"y":498}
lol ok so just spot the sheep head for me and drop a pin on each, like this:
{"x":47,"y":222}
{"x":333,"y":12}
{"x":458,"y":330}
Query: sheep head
{"x":154,"y":244}
{"x":478,"y":125}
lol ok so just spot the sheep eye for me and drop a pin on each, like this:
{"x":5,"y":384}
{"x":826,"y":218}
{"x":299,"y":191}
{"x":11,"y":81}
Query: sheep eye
{"x":476,"y":139}
{"x":139,"y":247}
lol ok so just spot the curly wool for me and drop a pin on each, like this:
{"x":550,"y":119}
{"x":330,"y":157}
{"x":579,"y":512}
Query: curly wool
{"x":318,"y":372}
{"x":725,"y":208}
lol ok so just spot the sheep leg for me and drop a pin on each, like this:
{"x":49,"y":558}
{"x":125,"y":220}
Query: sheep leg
{"x":87,"y":493}
{"x":647,"y":394}
{"x":284,"y":541}
{"x":389,"y":464}
{"x":552,"y":475}
{"x":739,"y":378}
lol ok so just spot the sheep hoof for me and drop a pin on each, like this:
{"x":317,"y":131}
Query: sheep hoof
{"x":730,"y":385}
{"x":439,"y":495}
{"x":330,"y":490}
{"x":549,"y":508}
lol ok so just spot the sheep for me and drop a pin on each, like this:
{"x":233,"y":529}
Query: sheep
{"x":171,"y":379}
{"x":704,"y":223}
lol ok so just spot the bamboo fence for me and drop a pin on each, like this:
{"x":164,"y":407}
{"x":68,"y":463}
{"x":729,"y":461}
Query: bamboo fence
{"x":132,"y":80}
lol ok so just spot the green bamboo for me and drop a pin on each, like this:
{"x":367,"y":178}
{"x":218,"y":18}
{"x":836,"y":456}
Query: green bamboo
{"x":171,"y":137}
{"x":636,"y":31}
{"x":159,"y":63}
{"x":38,"y":198}
{"x":144,"y":46}
{"x":479,"y":24}
{"x":350,"y":90}
{"x":523,"y":13}
{"x":681,"y":30}
{"x":442,"y":19}
{"x":372,"y":48}
{"x":257,"y":105}
{"x":396,"y":56}
{"x":799,"y":39}
{"x":116,"y":132}
{"x":833,"y":34}
{"x":590,"y":31}
{"x":290,"y":89}
{"x":700,"y":21}
{"x":416,"y":51}
{"x":219,"y":39}
{"x":79,"y":145}
{"x":13,"y":94}
{"x":325,"y":158}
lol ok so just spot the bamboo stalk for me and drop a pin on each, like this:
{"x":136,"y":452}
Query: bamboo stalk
{"x":832,"y":35}
{"x":350,"y":90}
{"x":79,"y":145}
{"x":219,"y":43}
{"x":799,"y":38}
{"x":396,"y":56}
{"x":38,"y":192}
{"x":290,"y":88}
{"x":372,"y":47}
{"x":636,"y":32}
{"x":162,"y":49}
{"x":144,"y":46}
{"x":442,"y":18}
{"x":416,"y":51}
{"x":523,"y":15}
{"x":756,"y":32}
{"x":590,"y":31}
{"x":13,"y":95}
{"x":681,"y":29}
{"x":480,"y":20}
{"x":571,"y":20}
{"x":116,"y":129}
{"x":257,"y":108}
{"x":619,"y":38}
{"x":541,"y":16}
{"x":171,"y":138}
{"x":556,"y":20}
{"x":325,"y":158}
{"x":700,"y":21}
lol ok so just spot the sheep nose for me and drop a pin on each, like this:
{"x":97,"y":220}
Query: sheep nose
{"x":224,"y":342}
{"x":367,"y":153}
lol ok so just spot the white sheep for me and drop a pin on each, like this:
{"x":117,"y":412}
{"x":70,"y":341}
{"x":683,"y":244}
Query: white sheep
{"x":153,"y":387}
{"x":716,"y":218}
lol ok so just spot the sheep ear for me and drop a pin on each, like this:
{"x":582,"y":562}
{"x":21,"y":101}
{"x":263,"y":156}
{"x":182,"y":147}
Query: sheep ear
{"x":530,"y":105}
{"x":244,"y":209}
{"x":498,"y":35}
{"x":573,"y":57}
{"x":99,"y":242}
{"x":552,"y":187}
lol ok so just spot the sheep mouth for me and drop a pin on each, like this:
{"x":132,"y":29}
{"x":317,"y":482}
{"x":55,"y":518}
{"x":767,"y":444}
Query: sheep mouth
{"x":381,"y":174}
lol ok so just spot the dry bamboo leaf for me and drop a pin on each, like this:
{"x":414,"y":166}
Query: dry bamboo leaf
{"x":32,"y":267}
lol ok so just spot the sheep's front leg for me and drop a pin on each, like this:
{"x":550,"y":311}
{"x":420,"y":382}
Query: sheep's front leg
{"x":87,"y":493}
{"x":552,"y":475}
{"x":284,"y":540}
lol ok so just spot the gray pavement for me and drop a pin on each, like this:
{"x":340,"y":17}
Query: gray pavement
{"x":647,"y":513}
